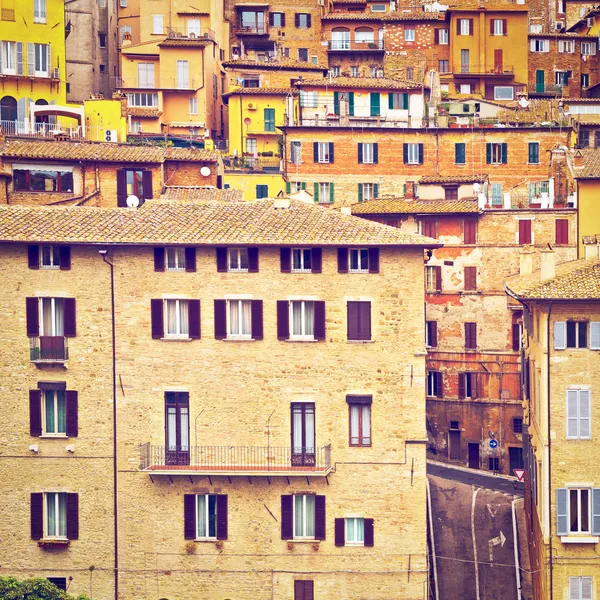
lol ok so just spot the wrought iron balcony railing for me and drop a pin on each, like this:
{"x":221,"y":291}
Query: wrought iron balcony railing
{"x":48,"y":349}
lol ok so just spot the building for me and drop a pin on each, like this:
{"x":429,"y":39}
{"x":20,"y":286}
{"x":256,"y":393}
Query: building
{"x":266,"y":477}
{"x":561,"y":313}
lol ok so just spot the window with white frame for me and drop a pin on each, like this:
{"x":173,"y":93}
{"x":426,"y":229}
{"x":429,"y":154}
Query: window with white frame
{"x":323,"y":152}
{"x":433,"y":383}
{"x":9,"y":57}
{"x":142,"y":99}
{"x":39,"y":11}
{"x":176,"y":318}
{"x":335,"y":71}
{"x":251,"y":146}
{"x":561,"y":7}
{"x":41,"y":60}
{"x":378,"y":7}
{"x":325,"y":193}
{"x":443,"y":37}
{"x":193,"y":27}
{"x":537,"y":45}
{"x":354,"y":71}
{"x":136,"y":126}
{"x":193,"y":106}
{"x":465,"y":27}
{"x":580,"y":588}
{"x":566,"y":46}
{"x":409,"y":35}
{"x":54,"y":417}
{"x":302,"y":319}
{"x":578,"y":414}
{"x":368,"y":191}
{"x":175,"y":259}
{"x":157,"y":24}
{"x":182,"y":75}
{"x":124,"y":29}
{"x":49,"y":257}
{"x":206,"y":517}
{"x":296,"y":152}
{"x":56,"y":515}
{"x":579,"y":510}
{"x":504,"y":92}
{"x":430,"y":279}
{"x":146,"y":75}
{"x":304,"y":516}
{"x":413,"y":154}
{"x":464,"y":88}
{"x":355,"y":531}
{"x":301,"y":260}
{"x":237,"y":259}
{"x":308,"y":99}
{"x":51,"y":317}
{"x":588,"y":48}
{"x":358,"y":260}
{"x":368,"y":153}
{"x":360,"y":424}
{"x":498,"y":27}
{"x":536,"y":189}
{"x":239,"y":319}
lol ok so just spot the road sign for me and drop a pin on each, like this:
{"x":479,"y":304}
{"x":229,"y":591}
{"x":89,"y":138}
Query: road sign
{"x":493,"y":444}
{"x":519,"y":474}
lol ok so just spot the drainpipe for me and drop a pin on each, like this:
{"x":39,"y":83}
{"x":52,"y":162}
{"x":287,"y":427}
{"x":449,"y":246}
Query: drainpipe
{"x":549,"y":456}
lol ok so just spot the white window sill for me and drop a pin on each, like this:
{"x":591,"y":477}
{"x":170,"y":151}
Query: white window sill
{"x":237,"y":270}
{"x":358,"y":271}
{"x":360,"y":341}
{"x":301,"y":271}
{"x":59,"y":436}
{"x":175,"y":338}
{"x":211,"y":540}
{"x":49,"y":267}
{"x":238,"y":339}
{"x":573,"y":539}
{"x":303,"y":541}
{"x":301,"y":339}
{"x":355,"y":544}
{"x":182,"y":270}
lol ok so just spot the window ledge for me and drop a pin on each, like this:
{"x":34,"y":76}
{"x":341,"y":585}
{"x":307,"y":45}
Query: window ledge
{"x":55,"y":436}
{"x":360,"y":341}
{"x":238,"y":339}
{"x":205,"y":540}
{"x":176,"y":339}
{"x":469,"y":292}
{"x":301,"y":340}
{"x":572,"y":539}
{"x":303,"y":541}
{"x":49,"y":542}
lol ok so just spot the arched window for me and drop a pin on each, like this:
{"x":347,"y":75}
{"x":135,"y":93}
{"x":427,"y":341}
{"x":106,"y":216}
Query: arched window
{"x":41,"y":118}
{"x":364,"y":34}
{"x":340,"y":38}
{"x":8,"y":109}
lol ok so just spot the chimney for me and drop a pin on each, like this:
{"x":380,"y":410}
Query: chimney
{"x":526,"y":261}
{"x":578,"y":159}
{"x":590,"y":247}
{"x":548,"y":264}
{"x":346,"y":210}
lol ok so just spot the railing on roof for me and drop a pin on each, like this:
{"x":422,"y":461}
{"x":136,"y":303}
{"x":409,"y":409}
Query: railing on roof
{"x":181,"y":33}
{"x":355,"y":45}
{"x":255,"y":30}
{"x":471,"y":69}
{"x":50,"y":130}
{"x":262,"y":164}
{"x":158,"y":83}
{"x":336,"y":121}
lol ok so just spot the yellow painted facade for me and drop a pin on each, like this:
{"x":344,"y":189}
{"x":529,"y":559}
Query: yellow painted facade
{"x":249,"y":183}
{"x":588,"y":192}
{"x":102,"y":116}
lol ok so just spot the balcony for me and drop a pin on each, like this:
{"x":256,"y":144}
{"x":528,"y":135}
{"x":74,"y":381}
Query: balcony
{"x":252,"y":165}
{"x":461,"y":71}
{"x":48,"y":349}
{"x":180,"y":33}
{"x":164,"y":83}
{"x":49,"y":130}
{"x":355,"y":46}
{"x":253,"y":30}
{"x":242,"y":461}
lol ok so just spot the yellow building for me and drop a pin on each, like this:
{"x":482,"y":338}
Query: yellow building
{"x":32,"y":63}
{"x":561,"y":314}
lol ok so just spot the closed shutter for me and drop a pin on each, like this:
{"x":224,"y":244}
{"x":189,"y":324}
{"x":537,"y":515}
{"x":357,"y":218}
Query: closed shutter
{"x":222,"y":516}
{"x":560,"y":335}
{"x":288,"y":187}
{"x":375,"y":190}
{"x":317,"y":260}
{"x":369,"y":532}
{"x":35,"y":413}
{"x":221,"y":260}
{"x":439,"y":387}
{"x":30,"y":59}
{"x":157,"y":318}
{"x":336,"y":103}
{"x":470,"y":231}
{"x":562,"y":231}
{"x":375,"y":153}
{"x":596,"y":511}
{"x":308,"y":20}
{"x":436,"y":36}
{"x":360,"y":154}
{"x":189,"y":516}
{"x":405,"y":155}
{"x":524,"y":231}
{"x":220,"y":319}
{"x":32,"y":317}
{"x":37,"y":516}
{"x":351,"y":104}
{"x":33,"y":257}
{"x":461,"y":385}
{"x":504,"y":26}
{"x":359,"y":320}
{"x":457,"y":26}
{"x":373,"y":260}
{"x":460,"y":153}
{"x":20,"y":63}
{"x":375,"y":104}
{"x":421,"y":153}
{"x":562,"y":521}
{"x":272,"y":19}
{"x":72,"y":413}
{"x":594,"y":335}
{"x":584,"y":414}
{"x":122,"y":188}
{"x":504,"y":149}
{"x":491,"y":26}
{"x":340,"y":532}
{"x":70,"y":324}
{"x":316,"y":193}
{"x":285,"y":260}
{"x":470,"y":26}
{"x":432,"y":333}
{"x":257,"y":319}
{"x":283,"y":19}
{"x":320,"y":518}
{"x":488,"y":153}
{"x":331,"y":152}
{"x":194,"y":319}
{"x":331,"y":192}
{"x":316,"y":152}
{"x":304,"y":589}
{"x":352,"y":316}
{"x":190,"y":260}
{"x":147,"y":184}
{"x":474,"y":385}
{"x":319,"y":316}
{"x":72,"y":516}
{"x":470,"y":336}
{"x":252,"y":260}
{"x":159,"y":259}
{"x":283,"y":320}
{"x":438,"y":278}
{"x":586,"y":588}
{"x":404,"y":101}
{"x":342,"y":261}
{"x":470,"y":278}
{"x":287,"y":517}
{"x":64,"y":253}
{"x":516,"y":337}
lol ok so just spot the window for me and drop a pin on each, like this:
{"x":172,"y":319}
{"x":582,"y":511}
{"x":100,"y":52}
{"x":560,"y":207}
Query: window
{"x":335,"y":71}
{"x":397,"y":101}
{"x":431,"y":334}
{"x":206,"y":516}
{"x":49,"y":257}
{"x":583,"y":141}
{"x":451,"y":192}
{"x":566,"y":46}
{"x":493,"y":463}
{"x":237,"y":259}
{"x":504,"y":92}
{"x":496,"y":194}
{"x":56,"y":515}
{"x":146,"y":75}
{"x":498,"y":26}
{"x":460,"y":153}
{"x":303,"y":21}
{"x":585,"y":80}
{"x":54,"y":412}
{"x":429,"y":227}
{"x":359,"y":320}
{"x":157,"y":24}
{"x":360,"y":420}
{"x":579,"y":510}
{"x":470,"y":336}
{"x":102,"y":40}
{"x":561,"y":6}
{"x":354,"y":71}
{"x":324,"y":192}
{"x":59,"y":582}
{"x":465,"y":27}
{"x":176,"y":318}
{"x":434,"y":384}
{"x":413,"y":154}
{"x":409,"y":35}
{"x":39,"y":11}
{"x":470,"y":231}
{"x":304,"y":516}
{"x":324,"y":152}
{"x":277,"y":19}
{"x":355,"y":531}
{"x":577,"y":334}
{"x":580,"y":588}
{"x":262,"y":191}
{"x":269,"y":117}
{"x":517,"y":425}
{"x":251,"y":82}
{"x":578,"y":414}
{"x":588,"y":48}
{"x":123,"y":3}
{"x":433,"y":279}
{"x":182,"y":75}
{"x":539,"y":45}
{"x":465,"y":88}
{"x":442,"y":37}
{"x":296,"y":153}
{"x":56,"y":179}
{"x":239,"y":317}
{"x":444,"y":66}
{"x":410,"y":73}
{"x":124,"y":30}
{"x":253,"y":21}
{"x":561,"y":235}
{"x":367,"y":191}
{"x":51,"y":317}
{"x":378,"y":8}
{"x":193,"y":106}
{"x":562,"y":77}
{"x":358,"y":260}
{"x":467,"y":385}
{"x":135,"y":183}
{"x":470,"y":279}
{"x":304,"y":589}
{"x":534,"y":153}
{"x":368,"y":153}
{"x":496,"y":154}
{"x":301,"y":260}
{"x":193,"y":27}
{"x":302,"y":318}
{"x":144,"y":99}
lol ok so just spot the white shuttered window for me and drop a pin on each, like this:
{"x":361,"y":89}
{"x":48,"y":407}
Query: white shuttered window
{"x":578,"y":414}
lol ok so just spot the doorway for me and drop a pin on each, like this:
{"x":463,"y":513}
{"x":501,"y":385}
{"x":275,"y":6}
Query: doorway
{"x":474,"y":456}
{"x":515,"y":457}
{"x":454,"y":444}
{"x":177,"y":428}
{"x":303,"y":434}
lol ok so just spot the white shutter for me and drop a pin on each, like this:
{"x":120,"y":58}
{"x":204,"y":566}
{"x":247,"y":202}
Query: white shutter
{"x":595,"y":335}
{"x":560,"y":335}
{"x":586,"y":588}
{"x":572,"y":413}
{"x":30,"y":58}
{"x":20,"y":66}
{"x":574,"y":588}
{"x":49,"y":59}
{"x":532,"y":45}
{"x":584,"y":414}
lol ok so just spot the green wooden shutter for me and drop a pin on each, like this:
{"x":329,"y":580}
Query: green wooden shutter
{"x":375,"y":190}
{"x":316,"y":198}
{"x":303,"y":185}
{"x":405,"y":101}
{"x":391,"y":101}
{"x":375,"y":104}
{"x":351,"y":104}
{"x":360,"y":192}
{"x":336,"y":103}
{"x":331,"y":192}
{"x":288,"y":187}
{"x":488,"y":153}
{"x":504,"y":153}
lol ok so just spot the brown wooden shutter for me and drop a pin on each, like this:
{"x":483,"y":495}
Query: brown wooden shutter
{"x":474,"y":386}
{"x":436,"y":36}
{"x":283,"y":319}
{"x":252,"y":260}
{"x":222,"y":516}
{"x":461,"y":385}
{"x":189,"y":516}
{"x":373,"y":260}
{"x":470,"y":336}
{"x":32,"y":316}
{"x":285,"y":259}
{"x":470,"y":26}
{"x":317,"y":260}
{"x":64,"y":253}
{"x":35,"y":413}
{"x":72,"y":413}
{"x":194,"y":319}
{"x":220,"y":319}
{"x":33,"y":257}
{"x":320,"y":518}
{"x":504,"y":26}
{"x":304,"y":589}
{"x":524,"y":231}
{"x":157,"y":318}
{"x":190,"y":260}
{"x":342,"y":260}
{"x":439,"y":386}
{"x":256,"y":318}
{"x":352,"y":318}
{"x":340,"y":532}
{"x":470,"y":231}
{"x":433,"y":334}
{"x":369,"y":533}
{"x":319,"y":316}
{"x":516,"y":337}
{"x":221,"y":260}
{"x":159,"y":259}
{"x":147,"y":184}
{"x":492,"y":26}
{"x":438,"y":278}
{"x":287,"y":517}
{"x":70,"y":323}
{"x":37,"y":516}
{"x":457,"y":26}
{"x":72,"y":516}
{"x":122,"y":188}
{"x":562,"y":231}
{"x":470,"y":278}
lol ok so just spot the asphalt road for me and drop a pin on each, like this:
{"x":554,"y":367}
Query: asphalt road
{"x":473,"y":541}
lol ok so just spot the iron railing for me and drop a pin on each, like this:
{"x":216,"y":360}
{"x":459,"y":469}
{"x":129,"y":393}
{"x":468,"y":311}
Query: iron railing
{"x":180,"y":33}
{"x":254,"y":30}
{"x":235,"y":459}
{"x":262,"y":164}
{"x":48,"y":349}
{"x":350,"y":45}
{"x":48,"y":130}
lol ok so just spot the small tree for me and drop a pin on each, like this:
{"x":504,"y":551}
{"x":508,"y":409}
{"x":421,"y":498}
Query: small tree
{"x":32,"y":589}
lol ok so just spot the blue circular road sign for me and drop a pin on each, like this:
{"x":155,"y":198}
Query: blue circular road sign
{"x":493,"y":444}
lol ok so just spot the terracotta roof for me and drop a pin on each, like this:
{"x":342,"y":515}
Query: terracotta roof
{"x":143,"y":112}
{"x":200,"y":194}
{"x":591,"y":164}
{"x":391,"y":16}
{"x":185,"y":42}
{"x":583,"y":100}
{"x":292,"y":65}
{"x":563,"y":36}
{"x":587,"y":119}
{"x":453,"y":179}
{"x":393,"y":205}
{"x":591,"y":13}
{"x":382,"y":83}
{"x":100,"y":151}
{"x":491,"y":7}
{"x":262,"y":91}
{"x":255,"y":223}
{"x":349,"y":1}
{"x":574,"y":280}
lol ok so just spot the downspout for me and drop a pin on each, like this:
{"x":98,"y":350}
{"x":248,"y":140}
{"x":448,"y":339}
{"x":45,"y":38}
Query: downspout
{"x":549,"y":456}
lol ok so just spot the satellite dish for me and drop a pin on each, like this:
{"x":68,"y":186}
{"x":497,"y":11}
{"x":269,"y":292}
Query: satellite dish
{"x":476,"y":188}
{"x":133,"y":201}
{"x":205,"y":171}
{"x":524,"y":102}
